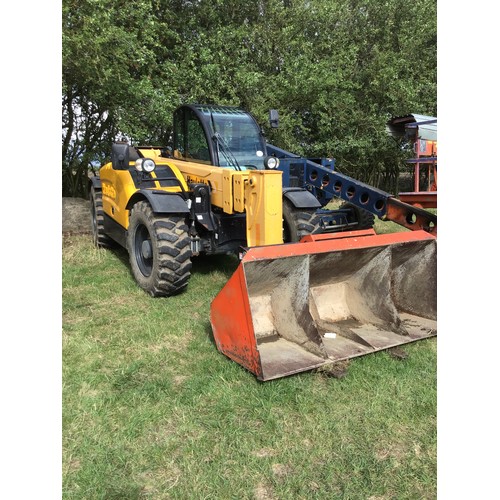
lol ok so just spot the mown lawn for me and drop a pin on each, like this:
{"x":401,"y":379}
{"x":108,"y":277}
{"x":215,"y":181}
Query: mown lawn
{"x":151,"y":409}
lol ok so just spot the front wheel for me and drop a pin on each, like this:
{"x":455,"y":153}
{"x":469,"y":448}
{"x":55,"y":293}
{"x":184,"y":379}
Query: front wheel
{"x":299,"y":222}
{"x":160,"y":251}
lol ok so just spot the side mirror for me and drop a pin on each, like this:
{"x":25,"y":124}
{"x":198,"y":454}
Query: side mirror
{"x":274,"y":118}
{"x":120,"y":156}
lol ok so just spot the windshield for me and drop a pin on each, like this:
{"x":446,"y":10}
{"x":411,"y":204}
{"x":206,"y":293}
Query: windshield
{"x":243,"y":138}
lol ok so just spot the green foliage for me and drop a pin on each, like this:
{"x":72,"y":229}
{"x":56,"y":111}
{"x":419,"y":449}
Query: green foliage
{"x":335,"y":70}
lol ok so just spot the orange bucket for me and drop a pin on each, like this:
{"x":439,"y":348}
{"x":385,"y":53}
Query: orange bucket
{"x":298,"y":306}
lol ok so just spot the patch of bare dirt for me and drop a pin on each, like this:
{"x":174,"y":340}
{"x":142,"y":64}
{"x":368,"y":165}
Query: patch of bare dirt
{"x":264,"y":492}
{"x":396,"y":452}
{"x":264,"y":452}
{"x":76,"y":218}
{"x":338,"y":369}
{"x":280,"y":470}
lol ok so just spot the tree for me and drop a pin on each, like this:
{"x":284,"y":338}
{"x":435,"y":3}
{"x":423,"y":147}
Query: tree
{"x":111,"y":84}
{"x":336,"y":71}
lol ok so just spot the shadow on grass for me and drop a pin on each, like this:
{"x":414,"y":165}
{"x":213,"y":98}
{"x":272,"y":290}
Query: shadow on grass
{"x":202,"y":264}
{"x":122,"y":255}
{"x":210,"y":334}
{"x":206,"y":264}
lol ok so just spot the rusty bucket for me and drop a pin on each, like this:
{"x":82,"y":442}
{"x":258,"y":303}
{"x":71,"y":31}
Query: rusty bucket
{"x":295,"y":307}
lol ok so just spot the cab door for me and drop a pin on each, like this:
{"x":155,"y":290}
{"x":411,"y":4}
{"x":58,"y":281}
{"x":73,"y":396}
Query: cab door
{"x":192,"y":140}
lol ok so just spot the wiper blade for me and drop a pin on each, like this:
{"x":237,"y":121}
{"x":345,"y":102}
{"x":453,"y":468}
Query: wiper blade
{"x":226,"y":151}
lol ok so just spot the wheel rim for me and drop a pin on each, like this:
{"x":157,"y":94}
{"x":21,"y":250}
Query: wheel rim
{"x":143,"y":250}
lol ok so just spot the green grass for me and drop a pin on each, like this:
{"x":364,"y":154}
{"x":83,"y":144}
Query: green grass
{"x":151,"y":409}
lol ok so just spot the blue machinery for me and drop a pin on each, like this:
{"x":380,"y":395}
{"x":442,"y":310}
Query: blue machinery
{"x":319,"y":177}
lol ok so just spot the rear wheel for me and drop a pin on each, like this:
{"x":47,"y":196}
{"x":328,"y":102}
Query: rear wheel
{"x":160,"y":251}
{"x":299,"y":222}
{"x":101,"y":239}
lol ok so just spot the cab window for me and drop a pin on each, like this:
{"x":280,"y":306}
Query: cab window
{"x":190,"y":142}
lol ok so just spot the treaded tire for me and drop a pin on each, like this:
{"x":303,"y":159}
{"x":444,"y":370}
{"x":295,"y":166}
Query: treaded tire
{"x":365,"y":219}
{"x":100,"y":238}
{"x":160,"y":251}
{"x":299,"y":222}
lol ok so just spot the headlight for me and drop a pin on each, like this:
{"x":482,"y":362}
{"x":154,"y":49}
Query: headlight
{"x":145,"y":165}
{"x":271,"y":162}
{"x":148,"y":165}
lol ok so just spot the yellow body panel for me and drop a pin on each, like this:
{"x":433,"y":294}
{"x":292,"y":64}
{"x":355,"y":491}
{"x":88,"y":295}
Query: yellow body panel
{"x":258,"y":193}
{"x":118,"y":187}
{"x":264,"y":208}
{"x":218,"y":178}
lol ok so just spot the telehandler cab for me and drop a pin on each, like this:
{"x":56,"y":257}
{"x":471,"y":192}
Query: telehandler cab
{"x":309,"y":290}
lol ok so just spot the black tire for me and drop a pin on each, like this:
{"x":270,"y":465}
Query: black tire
{"x":365,"y":219}
{"x":160,"y":251}
{"x":101,"y":239}
{"x":299,"y":222}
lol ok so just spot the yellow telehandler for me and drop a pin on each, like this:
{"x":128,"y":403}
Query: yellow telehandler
{"x":313,"y":286}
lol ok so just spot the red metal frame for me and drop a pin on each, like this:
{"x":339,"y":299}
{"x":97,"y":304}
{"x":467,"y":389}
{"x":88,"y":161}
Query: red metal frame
{"x":322,"y":243}
{"x":425,"y":156}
